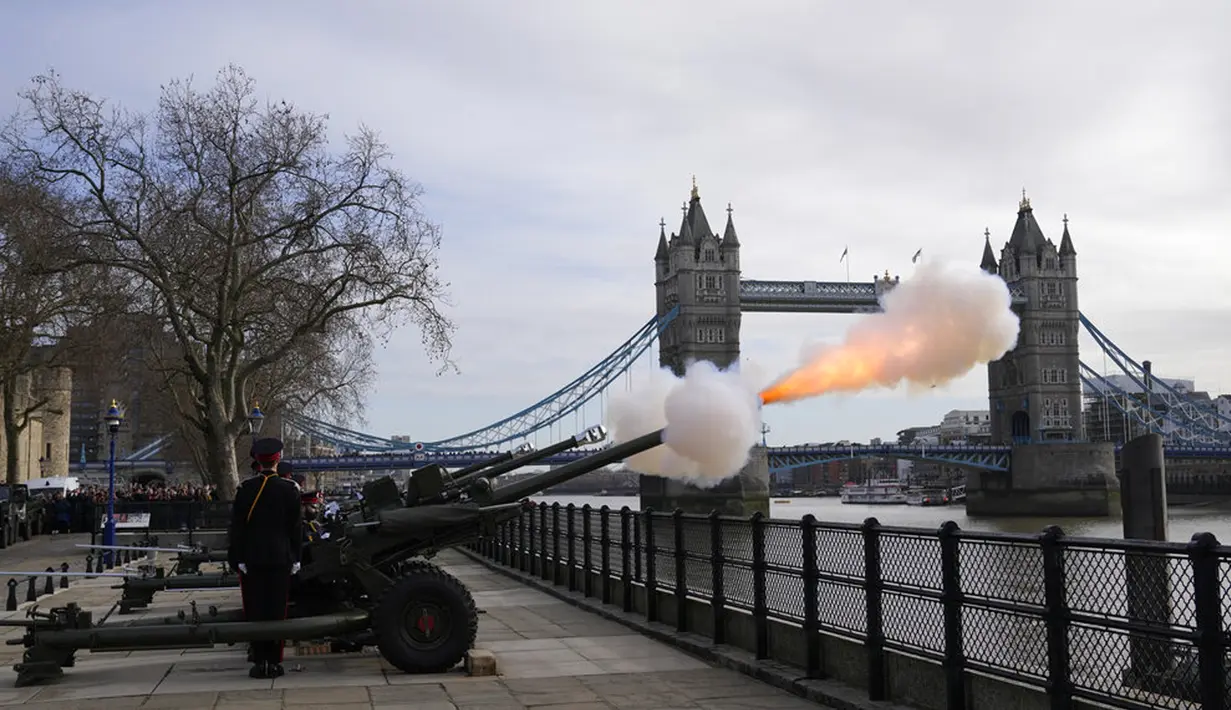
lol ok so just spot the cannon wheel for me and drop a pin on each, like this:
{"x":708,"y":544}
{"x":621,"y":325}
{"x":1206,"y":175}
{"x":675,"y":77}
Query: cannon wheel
{"x":425,"y":622}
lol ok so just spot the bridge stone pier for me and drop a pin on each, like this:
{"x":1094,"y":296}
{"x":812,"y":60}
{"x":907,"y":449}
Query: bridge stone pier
{"x":1034,"y":391}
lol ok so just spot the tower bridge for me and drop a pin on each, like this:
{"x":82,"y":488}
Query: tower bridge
{"x":1039,"y":458}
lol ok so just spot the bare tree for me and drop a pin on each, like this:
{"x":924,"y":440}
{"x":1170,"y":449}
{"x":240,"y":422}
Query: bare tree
{"x":247,"y":235}
{"x":40,"y":302}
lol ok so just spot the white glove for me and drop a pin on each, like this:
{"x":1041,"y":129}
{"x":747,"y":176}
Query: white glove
{"x":243,"y":568}
{"x":295,"y":568}
{"x":325,"y":536}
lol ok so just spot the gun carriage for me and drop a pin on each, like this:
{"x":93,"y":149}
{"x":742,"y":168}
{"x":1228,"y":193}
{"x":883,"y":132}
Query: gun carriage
{"x":431,"y":485}
{"x":370,"y":582}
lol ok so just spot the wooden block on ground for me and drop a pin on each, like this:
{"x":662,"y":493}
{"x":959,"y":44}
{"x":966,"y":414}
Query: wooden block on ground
{"x":480,"y":663}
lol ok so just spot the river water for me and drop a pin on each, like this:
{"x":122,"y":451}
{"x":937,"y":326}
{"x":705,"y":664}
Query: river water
{"x":1184,"y":522}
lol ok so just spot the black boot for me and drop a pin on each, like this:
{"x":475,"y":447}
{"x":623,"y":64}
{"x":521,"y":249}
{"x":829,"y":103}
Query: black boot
{"x":275,"y":670}
{"x":259,"y":670}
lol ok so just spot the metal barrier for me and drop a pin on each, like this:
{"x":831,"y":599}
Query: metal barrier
{"x":1131,"y":624}
{"x":167,"y":516}
{"x":52,"y":580}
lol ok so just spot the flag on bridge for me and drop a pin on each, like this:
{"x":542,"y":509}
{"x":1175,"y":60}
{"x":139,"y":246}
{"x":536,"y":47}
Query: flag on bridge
{"x":915,"y":259}
{"x":843,"y":257}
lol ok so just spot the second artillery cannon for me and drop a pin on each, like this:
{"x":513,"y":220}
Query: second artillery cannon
{"x":427,"y":486}
{"x":369,"y":583}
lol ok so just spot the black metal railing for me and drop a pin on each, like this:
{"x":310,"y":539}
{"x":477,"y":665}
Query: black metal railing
{"x":1130,"y":624}
{"x":169,"y":515}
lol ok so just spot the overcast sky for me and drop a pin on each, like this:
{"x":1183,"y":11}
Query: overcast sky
{"x":552,"y":136}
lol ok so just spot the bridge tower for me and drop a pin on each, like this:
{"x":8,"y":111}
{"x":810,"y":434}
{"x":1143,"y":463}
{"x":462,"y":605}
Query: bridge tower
{"x":698,"y":270}
{"x":1034,"y":390}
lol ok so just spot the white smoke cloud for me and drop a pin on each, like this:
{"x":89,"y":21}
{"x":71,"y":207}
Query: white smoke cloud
{"x":712,"y":418}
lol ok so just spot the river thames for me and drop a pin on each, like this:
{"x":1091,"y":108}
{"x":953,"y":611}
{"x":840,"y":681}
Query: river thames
{"x":1183,"y":521}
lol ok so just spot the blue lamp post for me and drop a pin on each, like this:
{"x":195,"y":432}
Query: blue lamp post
{"x":114,"y":418}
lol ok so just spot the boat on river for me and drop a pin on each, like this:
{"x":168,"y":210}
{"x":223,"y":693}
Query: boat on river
{"x":874,"y":493}
{"x":928,"y":496}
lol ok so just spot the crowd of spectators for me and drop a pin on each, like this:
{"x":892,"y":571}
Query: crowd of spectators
{"x":148,"y":492}
{"x":81,"y":509}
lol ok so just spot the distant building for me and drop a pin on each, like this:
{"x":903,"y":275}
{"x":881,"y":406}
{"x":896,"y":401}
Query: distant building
{"x":966,"y":426}
{"x":119,"y":368}
{"x":43,"y":445}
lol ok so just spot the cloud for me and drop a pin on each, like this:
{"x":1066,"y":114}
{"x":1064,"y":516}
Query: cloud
{"x":552,"y":140}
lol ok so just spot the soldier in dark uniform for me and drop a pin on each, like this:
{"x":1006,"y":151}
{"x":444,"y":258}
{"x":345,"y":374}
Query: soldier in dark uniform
{"x":311,"y":516}
{"x":266,"y":541}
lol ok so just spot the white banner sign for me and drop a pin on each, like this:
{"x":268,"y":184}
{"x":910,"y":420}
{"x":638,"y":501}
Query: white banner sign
{"x":127,"y":521}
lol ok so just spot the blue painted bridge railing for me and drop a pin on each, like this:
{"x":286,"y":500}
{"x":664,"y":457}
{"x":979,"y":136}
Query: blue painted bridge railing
{"x":783,"y":458}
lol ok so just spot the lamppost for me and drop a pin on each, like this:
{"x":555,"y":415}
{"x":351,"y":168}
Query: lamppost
{"x":114,"y":418}
{"x":256,"y":419}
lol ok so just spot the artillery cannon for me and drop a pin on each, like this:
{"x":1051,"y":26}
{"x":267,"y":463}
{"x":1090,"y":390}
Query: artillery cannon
{"x":430,"y":485}
{"x":369,"y":583}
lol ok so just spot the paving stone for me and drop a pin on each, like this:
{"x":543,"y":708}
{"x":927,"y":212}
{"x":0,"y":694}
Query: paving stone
{"x":323,"y":696}
{"x":180,"y":701}
{"x":248,"y":695}
{"x":128,"y":703}
{"x":402,"y":694}
{"x":332,"y":706}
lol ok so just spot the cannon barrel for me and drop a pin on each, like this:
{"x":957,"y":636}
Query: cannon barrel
{"x":219,"y":580}
{"x":540,"y":482}
{"x":500,"y":458}
{"x":589,"y":436}
{"x":117,"y":637}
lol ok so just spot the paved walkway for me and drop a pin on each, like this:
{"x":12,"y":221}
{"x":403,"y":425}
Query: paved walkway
{"x":549,"y":654}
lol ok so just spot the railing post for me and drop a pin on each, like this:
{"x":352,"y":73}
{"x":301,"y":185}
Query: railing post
{"x":951,"y":601}
{"x":543,"y":548}
{"x":604,"y":552}
{"x":522,"y":549}
{"x":651,"y":567}
{"x":1056,"y":618}
{"x":626,"y":556}
{"x":681,"y":572}
{"x":760,"y":605}
{"x":555,"y":543}
{"x":813,"y":666}
{"x":532,"y":516}
{"x":874,"y":590}
{"x":510,"y":543}
{"x":587,"y":558}
{"x":638,"y":550}
{"x":718,"y":600}
{"x":570,"y":534}
{"x":490,"y":545}
{"x":1212,"y":675}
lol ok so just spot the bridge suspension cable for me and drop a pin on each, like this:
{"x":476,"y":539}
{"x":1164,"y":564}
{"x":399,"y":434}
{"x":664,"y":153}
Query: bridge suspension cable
{"x":1201,"y":418}
{"x":1162,"y":422}
{"x":549,"y":411}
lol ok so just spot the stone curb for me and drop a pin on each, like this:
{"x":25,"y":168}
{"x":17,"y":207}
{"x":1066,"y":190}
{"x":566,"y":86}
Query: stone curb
{"x":779,"y":675}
